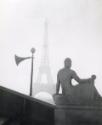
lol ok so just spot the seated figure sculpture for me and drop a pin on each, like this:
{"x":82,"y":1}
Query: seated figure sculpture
{"x":83,"y":93}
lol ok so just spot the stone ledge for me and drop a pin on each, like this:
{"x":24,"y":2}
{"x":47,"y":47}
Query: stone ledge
{"x":78,"y":115}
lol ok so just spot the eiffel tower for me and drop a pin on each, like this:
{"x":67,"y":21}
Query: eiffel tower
{"x":44,"y":69}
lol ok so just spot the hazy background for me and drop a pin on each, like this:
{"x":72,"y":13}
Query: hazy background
{"x":74,"y":30}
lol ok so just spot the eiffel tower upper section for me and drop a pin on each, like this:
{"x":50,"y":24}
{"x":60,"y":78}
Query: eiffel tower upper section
{"x":45,"y":56}
{"x":45,"y":66}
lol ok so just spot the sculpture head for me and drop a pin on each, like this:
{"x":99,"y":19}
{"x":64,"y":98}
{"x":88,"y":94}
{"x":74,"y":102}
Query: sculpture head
{"x":67,"y":63}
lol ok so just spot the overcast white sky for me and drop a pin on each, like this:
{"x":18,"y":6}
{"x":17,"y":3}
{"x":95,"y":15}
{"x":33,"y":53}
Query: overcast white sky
{"x":75,"y":31}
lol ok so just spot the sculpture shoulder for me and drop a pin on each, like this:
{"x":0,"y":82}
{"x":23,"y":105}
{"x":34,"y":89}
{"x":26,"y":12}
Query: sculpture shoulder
{"x":72,"y":72}
{"x":60,"y":71}
{"x":69,"y":71}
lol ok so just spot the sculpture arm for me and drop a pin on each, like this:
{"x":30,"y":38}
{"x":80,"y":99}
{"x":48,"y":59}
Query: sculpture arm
{"x":57,"y":85}
{"x":76,"y":77}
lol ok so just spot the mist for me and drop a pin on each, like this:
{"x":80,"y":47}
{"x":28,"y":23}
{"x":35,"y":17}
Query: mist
{"x":74,"y":30}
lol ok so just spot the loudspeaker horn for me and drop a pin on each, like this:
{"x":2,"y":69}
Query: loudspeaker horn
{"x":20,"y":59}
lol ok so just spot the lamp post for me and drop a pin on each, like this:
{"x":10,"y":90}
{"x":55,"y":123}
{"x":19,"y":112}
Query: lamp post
{"x":31,"y":80}
{"x":20,"y":59}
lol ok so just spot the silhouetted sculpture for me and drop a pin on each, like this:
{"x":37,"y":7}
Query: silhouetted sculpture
{"x":83,"y":93}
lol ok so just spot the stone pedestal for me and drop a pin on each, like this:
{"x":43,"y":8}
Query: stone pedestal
{"x":78,"y":115}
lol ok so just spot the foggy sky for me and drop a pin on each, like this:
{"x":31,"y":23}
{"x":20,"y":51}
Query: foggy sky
{"x":74,"y":30}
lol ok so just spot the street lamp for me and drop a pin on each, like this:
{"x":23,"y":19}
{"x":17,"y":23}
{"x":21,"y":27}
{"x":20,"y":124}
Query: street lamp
{"x":20,"y":59}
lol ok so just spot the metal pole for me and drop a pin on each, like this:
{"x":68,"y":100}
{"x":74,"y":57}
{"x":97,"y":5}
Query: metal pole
{"x":31,"y":80}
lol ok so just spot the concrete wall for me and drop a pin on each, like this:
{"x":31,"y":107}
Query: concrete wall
{"x":24,"y":109}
